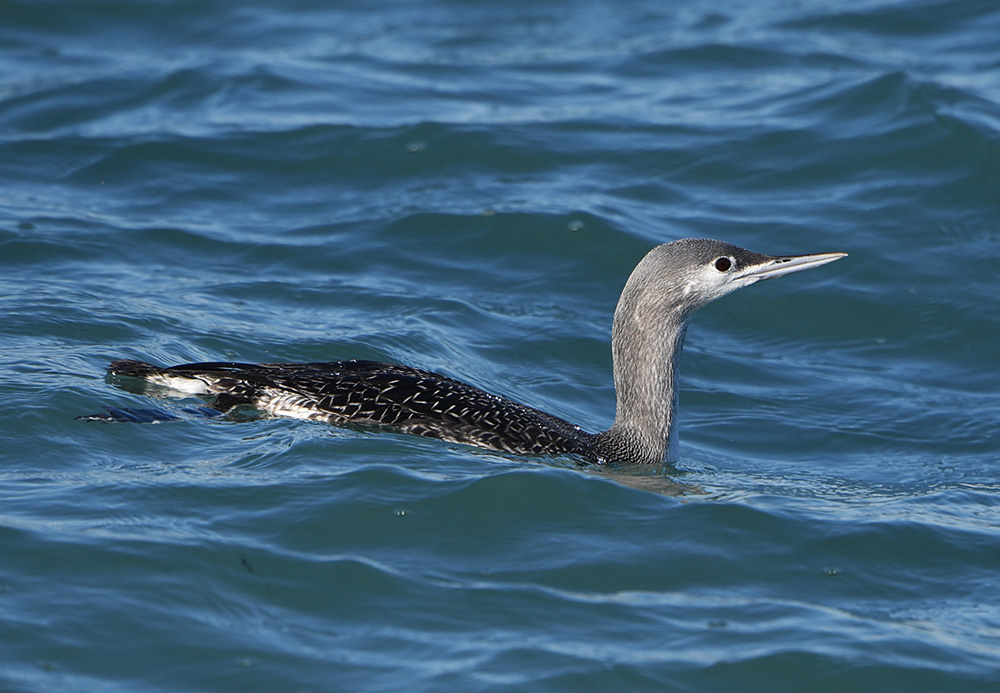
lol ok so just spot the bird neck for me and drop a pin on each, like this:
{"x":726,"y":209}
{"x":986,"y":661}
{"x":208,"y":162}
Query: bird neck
{"x":646,"y":343}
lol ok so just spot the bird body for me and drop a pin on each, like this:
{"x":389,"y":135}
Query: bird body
{"x":412,"y":400}
{"x":670,"y":283}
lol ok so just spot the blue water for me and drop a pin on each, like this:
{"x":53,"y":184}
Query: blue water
{"x":464,"y":186}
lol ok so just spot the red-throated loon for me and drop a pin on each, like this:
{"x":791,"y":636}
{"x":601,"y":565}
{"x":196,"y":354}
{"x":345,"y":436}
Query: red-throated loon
{"x":664,"y":290}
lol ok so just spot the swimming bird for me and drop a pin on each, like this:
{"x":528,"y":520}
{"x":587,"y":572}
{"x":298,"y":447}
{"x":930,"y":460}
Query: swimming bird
{"x":667,"y":286}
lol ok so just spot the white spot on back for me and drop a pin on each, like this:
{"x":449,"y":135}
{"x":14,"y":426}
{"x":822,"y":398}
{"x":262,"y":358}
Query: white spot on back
{"x":183,"y":384}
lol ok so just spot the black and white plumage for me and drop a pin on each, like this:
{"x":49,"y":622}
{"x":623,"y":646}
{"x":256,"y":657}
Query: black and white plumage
{"x":666,"y":287}
{"x":412,"y":400}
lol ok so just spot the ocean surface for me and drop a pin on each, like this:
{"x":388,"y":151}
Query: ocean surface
{"x":464,"y":186}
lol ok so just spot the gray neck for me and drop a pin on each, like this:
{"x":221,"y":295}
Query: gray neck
{"x":646,"y":342}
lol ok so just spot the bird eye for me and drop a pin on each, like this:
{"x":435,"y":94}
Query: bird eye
{"x":724,"y":264}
